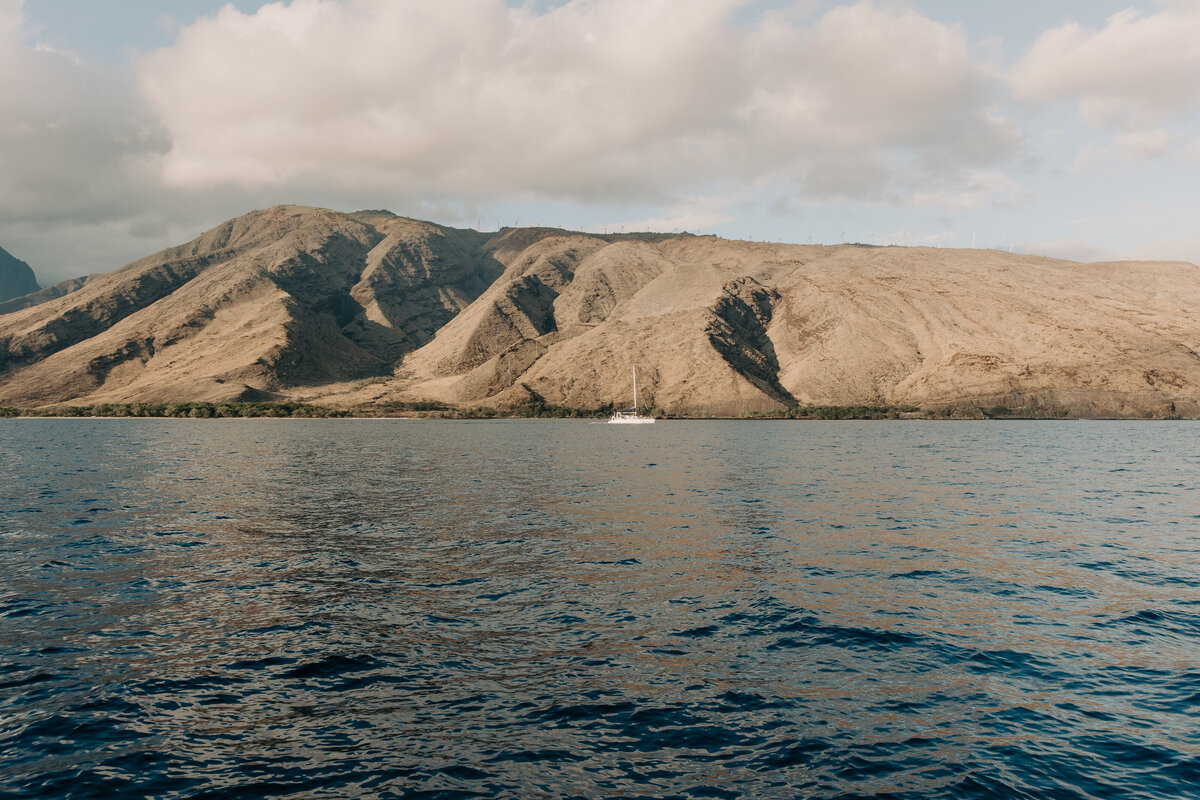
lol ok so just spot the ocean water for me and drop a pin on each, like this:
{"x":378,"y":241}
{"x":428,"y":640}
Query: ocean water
{"x":535,"y":609}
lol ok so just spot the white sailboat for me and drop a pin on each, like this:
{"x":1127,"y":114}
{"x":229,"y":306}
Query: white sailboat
{"x":631,"y":417}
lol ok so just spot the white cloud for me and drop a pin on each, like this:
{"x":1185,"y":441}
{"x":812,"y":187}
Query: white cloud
{"x":457,"y":106}
{"x":79,"y":157}
{"x":75,"y":141}
{"x":1125,"y":149}
{"x":862,"y":78}
{"x":696,"y":215}
{"x":981,"y":189}
{"x":449,"y":96}
{"x":621,"y":99}
{"x":1146,"y":144}
{"x":1138,"y":72}
{"x":11,"y":19}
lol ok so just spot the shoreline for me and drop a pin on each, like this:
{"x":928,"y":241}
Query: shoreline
{"x":589,"y":420}
{"x":604,"y":422}
{"x":426,"y":410}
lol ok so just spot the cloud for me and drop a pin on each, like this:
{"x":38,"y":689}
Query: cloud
{"x":463,"y":104}
{"x":1125,"y":149}
{"x":1138,"y":72}
{"x":695,"y":214}
{"x":81,"y":164}
{"x":981,"y":189}
{"x":76,"y":143}
{"x":615,"y":100}
{"x":79,"y":160}
{"x":1146,"y":144}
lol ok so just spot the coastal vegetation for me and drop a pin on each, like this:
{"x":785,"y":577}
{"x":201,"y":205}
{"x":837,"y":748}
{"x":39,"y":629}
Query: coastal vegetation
{"x":179,"y":410}
{"x":849,"y":412}
{"x":430,"y":409}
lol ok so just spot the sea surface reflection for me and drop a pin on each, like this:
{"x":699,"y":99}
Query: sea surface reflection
{"x":389,"y":608}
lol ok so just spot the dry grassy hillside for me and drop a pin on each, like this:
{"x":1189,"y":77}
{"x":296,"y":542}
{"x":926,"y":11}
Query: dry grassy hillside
{"x":726,"y":327}
{"x":360,"y":309}
{"x":285,"y":297}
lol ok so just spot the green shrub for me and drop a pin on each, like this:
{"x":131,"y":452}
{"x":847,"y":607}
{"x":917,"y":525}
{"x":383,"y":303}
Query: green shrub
{"x":843,"y":412}
{"x":184,"y":410}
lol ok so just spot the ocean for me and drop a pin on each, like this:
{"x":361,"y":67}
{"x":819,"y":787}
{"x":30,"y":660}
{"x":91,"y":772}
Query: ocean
{"x":551,"y":609}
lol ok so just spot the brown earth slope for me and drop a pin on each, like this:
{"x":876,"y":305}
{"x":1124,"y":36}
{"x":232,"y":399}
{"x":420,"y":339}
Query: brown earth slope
{"x":358,"y":309}
{"x":275,"y":299}
{"x":733,"y":328}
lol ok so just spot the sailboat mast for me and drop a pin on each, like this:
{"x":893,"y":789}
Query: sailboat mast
{"x":635,"y":389}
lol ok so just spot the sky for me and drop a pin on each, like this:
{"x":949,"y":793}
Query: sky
{"x":1069,"y":129}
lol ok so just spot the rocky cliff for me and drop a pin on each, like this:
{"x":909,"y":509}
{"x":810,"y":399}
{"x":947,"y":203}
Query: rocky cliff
{"x":16,"y":277}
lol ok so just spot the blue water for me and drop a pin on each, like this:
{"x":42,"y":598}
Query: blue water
{"x":387,"y":608}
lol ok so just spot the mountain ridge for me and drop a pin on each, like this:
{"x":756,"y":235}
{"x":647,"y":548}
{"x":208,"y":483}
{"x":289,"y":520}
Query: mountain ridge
{"x":366,"y":308}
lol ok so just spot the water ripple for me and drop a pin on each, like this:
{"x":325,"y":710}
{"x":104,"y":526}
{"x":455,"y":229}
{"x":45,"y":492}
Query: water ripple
{"x":532,"y":609}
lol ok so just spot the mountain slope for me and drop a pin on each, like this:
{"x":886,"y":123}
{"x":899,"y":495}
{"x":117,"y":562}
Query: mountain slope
{"x":43,"y":295}
{"x":277,"y":298}
{"x":366,"y":308}
{"x":734,"y":327}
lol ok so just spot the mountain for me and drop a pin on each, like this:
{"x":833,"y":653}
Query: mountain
{"x":16,"y":277}
{"x":725,"y":327}
{"x":368,"y":308}
{"x":40,"y":296}
{"x":274,"y":299}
